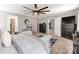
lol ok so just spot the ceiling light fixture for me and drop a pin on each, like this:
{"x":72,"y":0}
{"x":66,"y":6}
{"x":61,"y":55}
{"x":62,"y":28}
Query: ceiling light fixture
{"x":35,"y":13}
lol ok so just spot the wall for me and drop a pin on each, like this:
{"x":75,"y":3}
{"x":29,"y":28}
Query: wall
{"x":21,"y":24}
{"x":34,"y":24}
{"x":58,"y":19}
{"x":44,"y":20}
{"x":4,"y":19}
{"x":57,"y":27}
{"x":57,"y":24}
{"x":78,"y":22}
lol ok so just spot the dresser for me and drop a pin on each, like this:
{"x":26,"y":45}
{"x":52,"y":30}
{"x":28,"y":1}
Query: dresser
{"x":42,"y":28}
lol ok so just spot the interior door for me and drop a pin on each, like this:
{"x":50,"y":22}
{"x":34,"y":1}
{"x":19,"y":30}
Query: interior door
{"x":51,"y":26}
{"x":12,"y":25}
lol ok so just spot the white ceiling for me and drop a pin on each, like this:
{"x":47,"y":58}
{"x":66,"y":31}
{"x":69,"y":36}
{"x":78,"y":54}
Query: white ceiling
{"x":54,"y":9}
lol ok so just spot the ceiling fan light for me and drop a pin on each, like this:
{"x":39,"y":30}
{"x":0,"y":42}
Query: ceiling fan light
{"x":35,"y":13}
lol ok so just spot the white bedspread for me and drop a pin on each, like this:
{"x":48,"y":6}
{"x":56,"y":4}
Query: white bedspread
{"x":29,"y":45}
{"x":9,"y":50}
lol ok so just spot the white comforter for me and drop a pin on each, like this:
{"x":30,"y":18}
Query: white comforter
{"x":29,"y":45}
{"x":9,"y":50}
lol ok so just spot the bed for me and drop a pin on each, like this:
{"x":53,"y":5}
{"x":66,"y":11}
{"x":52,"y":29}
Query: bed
{"x":24,"y":43}
{"x":10,"y":50}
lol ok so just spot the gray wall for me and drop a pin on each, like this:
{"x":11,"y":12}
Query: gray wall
{"x":4,"y":16}
{"x":57,"y":22}
{"x":21,"y":24}
{"x":44,"y":20}
{"x":4,"y":20}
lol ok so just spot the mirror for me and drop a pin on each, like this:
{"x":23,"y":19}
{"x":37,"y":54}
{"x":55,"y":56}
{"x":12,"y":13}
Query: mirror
{"x":26,"y":21}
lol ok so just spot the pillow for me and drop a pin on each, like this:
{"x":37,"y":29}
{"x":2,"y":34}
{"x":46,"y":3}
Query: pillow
{"x":46,"y":41}
{"x":6,"y":38}
{"x":27,"y":32}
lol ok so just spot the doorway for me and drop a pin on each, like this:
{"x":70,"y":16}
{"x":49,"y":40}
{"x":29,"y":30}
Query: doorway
{"x":51,"y":26}
{"x":12,"y":25}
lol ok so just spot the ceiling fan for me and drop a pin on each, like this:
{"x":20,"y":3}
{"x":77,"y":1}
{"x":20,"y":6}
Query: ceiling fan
{"x":36,"y":10}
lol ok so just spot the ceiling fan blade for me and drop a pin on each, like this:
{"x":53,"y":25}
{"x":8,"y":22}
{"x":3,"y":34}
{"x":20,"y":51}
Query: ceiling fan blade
{"x":43,"y":8}
{"x":35,"y":5}
{"x":45,"y":11}
{"x":42,"y":13}
{"x":27,"y":8}
{"x":38,"y":13}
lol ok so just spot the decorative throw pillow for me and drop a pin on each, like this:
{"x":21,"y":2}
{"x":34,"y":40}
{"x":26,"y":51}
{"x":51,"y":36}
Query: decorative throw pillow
{"x":6,"y":39}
